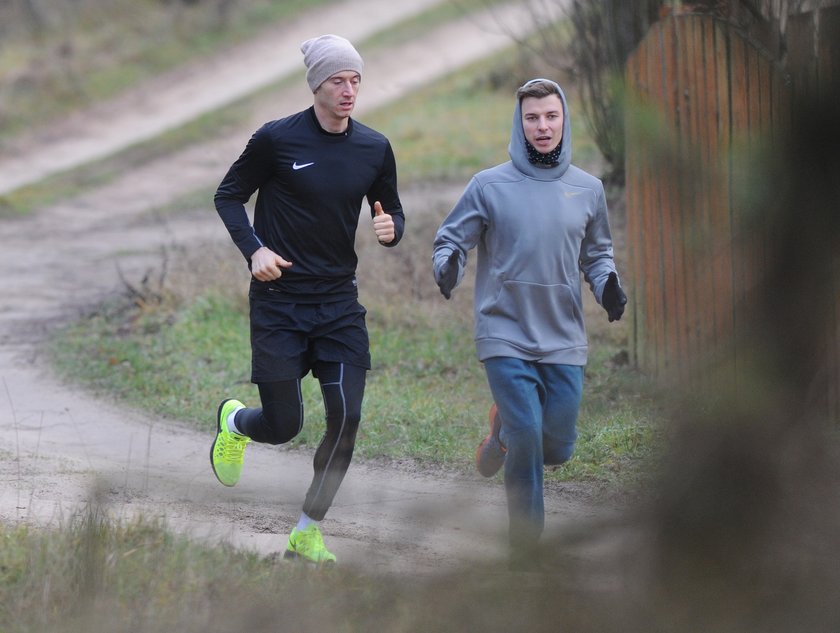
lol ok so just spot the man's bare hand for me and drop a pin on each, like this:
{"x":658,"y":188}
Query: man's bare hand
{"x":266,"y":265}
{"x":383,"y":224}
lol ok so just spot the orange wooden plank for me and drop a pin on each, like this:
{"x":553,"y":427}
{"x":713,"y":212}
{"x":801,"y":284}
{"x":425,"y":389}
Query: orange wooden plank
{"x":669,"y":189}
{"x":724,"y":265}
{"x":684,"y":193}
{"x":633,"y":182}
{"x":640,"y":208}
{"x":698,"y":240}
{"x":693,"y":204}
{"x":631,"y":197}
{"x":654,"y":297}
{"x":689,"y":255}
{"x":743,"y":240}
{"x":711,"y":114}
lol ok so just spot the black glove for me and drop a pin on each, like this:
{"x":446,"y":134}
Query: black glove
{"x":613,"y":298}
{"x":448,"y":276}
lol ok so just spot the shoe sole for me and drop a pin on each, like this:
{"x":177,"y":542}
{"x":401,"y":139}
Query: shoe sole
{"x":294,"y":557}
{"x":490,"y":437}
{"x":216,"y":439}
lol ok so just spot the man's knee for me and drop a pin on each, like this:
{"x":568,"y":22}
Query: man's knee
{"x":525,"y":438}
{"x":346,"y":423}
{"x":275,"y":436}
{"x":281,"y":425}
{"x":558,"y":454}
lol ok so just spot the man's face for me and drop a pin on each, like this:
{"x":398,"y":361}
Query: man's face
{"x":336,"y":97}
{"x":542,"y":121}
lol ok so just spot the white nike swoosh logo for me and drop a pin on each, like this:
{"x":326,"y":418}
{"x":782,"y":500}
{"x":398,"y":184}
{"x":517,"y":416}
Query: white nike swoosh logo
{"x":295,"y":166}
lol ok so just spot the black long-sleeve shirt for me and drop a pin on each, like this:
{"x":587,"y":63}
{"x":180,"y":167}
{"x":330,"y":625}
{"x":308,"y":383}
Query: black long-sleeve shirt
{"x":311,"y":184}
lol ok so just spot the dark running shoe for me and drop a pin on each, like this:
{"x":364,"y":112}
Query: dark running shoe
{"x":490,"y":454}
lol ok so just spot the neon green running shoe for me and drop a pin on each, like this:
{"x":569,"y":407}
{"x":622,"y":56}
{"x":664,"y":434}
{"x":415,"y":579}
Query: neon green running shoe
{"x":228,"y":451}
{"x":308,"y":545}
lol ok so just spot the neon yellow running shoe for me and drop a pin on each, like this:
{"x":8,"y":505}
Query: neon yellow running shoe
{"x":228,"y":451}
{"x":308,"y":545}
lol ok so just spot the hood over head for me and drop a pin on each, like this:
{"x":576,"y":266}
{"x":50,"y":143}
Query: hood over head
{"x":517,"y":149}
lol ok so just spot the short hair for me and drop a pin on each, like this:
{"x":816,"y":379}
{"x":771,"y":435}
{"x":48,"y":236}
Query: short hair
{"x":537,"y":88}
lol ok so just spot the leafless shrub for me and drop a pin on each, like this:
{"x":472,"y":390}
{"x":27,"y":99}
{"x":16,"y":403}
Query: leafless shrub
{"x":603,"y":35}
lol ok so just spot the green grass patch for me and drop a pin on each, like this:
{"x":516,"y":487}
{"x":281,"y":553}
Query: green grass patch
{"x":167,"y":359}
{"x":429,"y":19}
{"x":461,"y":124}
{"x":178,"y":354}
{"x":76,"y":181}
{"x":448,"y":130}
{"x":181,"y":360}
{"x":73,"y":56}
{"x":426,"y":398}
{"x":96,"y":573}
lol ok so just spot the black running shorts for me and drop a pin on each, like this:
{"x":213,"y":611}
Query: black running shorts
{"x":287,"y":339}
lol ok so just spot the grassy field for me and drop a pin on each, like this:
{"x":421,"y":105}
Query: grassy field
{"x":183,"y":353}
{"x":68,"y":54}
{"x":186,"y":351}
{"x":100,"y":576}
{"x":427,"y":400}
{"x":26,"y":101}
{"x":738,"y":534}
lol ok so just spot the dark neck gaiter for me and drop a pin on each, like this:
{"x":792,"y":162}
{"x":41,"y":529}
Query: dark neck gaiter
{"x":537,"y":158}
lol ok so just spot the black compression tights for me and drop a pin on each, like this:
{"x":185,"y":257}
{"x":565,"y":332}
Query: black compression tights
{"x":281,"y":418}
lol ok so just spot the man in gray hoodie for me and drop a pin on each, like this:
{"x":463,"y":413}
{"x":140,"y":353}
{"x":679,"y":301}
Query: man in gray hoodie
{"x":538,"y":222}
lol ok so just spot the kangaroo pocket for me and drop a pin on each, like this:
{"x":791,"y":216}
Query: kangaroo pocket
{"x":535,"y":317}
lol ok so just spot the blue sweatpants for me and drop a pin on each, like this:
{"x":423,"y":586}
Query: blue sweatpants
{"x":538,"y":404}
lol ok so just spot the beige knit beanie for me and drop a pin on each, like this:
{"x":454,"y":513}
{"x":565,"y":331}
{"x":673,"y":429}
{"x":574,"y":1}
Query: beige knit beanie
{"x":327,"y":55}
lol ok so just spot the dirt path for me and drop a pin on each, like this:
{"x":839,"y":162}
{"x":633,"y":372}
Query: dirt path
{"x":178,"y":97}
{"x":63,"y":447}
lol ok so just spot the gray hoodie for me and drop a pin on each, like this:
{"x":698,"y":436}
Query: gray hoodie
{"x":537,"y":229}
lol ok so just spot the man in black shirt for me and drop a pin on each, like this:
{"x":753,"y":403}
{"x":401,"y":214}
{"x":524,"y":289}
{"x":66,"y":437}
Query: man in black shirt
{"x":312,"y":171}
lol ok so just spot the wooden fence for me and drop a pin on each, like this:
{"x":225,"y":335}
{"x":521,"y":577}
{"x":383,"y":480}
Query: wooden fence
{"x":706,"y":103}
